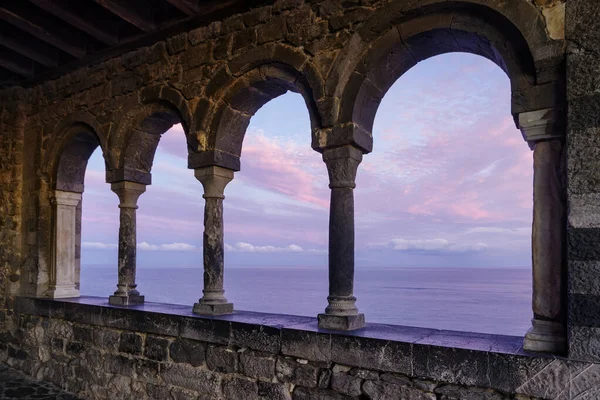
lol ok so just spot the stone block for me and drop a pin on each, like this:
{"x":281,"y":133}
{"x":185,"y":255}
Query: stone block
{"x":582,"y":244}
{"x":130,"y":343}
{"x":182,"y":394}
{"x":188,"y":351}
{"x":117,"y":364}
{"x":255,"y":365}
{"x":324,"y":379}
{"x":583,"y":310}
{"x":378,"y":390}
{"x":83,"y":334}
{"x":451,"y":365}
{"x":365,"y":374}
{"x":156,"y":348}
{"x":584,"y":343}
{"x":106,"y":339}
{"x":74,"y":349}
{"x":372,"y":353}
{"x":206,"y":330}
{"x":303,"y":393}
{"x":188,"y":377}
{"x":238,"y":388}
{"x":147,"y":369}
{"x":257,"y":337}
{"x":304,"y":344}
{"x":274,"y":391}
{"x":289,"y":370}
{"x":346,"y":384}
{"x":451,"y":392}
{"x":222,"y":359}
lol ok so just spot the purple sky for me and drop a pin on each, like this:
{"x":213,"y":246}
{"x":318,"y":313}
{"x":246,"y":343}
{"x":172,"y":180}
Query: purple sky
{"x":449,"y":183}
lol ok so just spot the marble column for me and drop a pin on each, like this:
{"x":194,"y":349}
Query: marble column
{"x":62,"y":276}
{"x":545,"y":135}
{"x":341,"y":312}
{"x":213,"y":302}
{"x":126,"y":293}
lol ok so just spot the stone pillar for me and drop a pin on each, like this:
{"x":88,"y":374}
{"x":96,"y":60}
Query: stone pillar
{"x":62,"y":275}
{"x":128,"y":193}
{"x":213,"y":302}
{"x":544,"y":132}
{"x":341,"y":312}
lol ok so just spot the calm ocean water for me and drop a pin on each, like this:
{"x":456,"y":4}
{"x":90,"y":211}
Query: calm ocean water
{"x":466,"y":299}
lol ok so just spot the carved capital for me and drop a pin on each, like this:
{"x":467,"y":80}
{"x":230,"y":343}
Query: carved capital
{"x":214,"y":179}
{"x":540,"y":125}
{"x":342,"y":164}
{"x":128,"y":193}
{"x":62,"y":198}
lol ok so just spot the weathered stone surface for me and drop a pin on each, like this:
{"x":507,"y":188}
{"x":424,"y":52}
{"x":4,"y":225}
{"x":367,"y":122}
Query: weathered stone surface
{"x":189,"y":377}
{"x":238,"y":388}
{"x":257,"y":365}
{"x":156,"y":348}
{"x":275,"y":391}
{"x":346,"y":384}
{"x":384,"y":391}
{"x":188,"y":351}
{"x":222,"y":359}
{"x":130,"y":343}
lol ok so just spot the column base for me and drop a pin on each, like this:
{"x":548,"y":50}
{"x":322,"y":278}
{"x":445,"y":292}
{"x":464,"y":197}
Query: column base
{"x":213,"y":309}
{"x":125,"y":300}
{"x":545,"y":336}
{"x":341,"y":322}
{"x":62,"y":292}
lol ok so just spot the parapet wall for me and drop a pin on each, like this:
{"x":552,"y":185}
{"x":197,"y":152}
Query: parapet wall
{"x":157,"y":351}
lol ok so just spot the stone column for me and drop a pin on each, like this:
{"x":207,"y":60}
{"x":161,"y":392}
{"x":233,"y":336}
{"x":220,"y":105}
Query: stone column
{"x":213,"y":302}
{"x":544,"y":132}
{"x":128,"y":193}
{"x":341,"y":312}
{"x":62,"y":275}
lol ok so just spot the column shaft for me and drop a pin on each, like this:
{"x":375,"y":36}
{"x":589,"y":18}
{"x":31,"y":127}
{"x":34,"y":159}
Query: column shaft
{"x":126,"y":292}
{"x":548,"y":248}
{"x":63,"y":276}
{"x":341,"y":312}
{"x":213,"y":302}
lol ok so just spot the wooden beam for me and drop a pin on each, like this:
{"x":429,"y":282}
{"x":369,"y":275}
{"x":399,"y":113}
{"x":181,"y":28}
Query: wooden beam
{"x":123,"y":10}
{"x":41,"y":33}
{"x":19,"y":65}
{"x":188,"y":7}
{"x":79,"y":22}
{"x":38,"y":52}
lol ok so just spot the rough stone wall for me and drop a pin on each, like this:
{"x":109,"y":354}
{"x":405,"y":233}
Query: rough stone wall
{"x":583,"y":139}
{"x":111,"y":353}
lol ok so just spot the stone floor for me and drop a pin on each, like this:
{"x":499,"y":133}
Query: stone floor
{"x":16,"y":385}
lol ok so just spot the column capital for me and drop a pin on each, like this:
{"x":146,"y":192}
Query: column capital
{"x":128,"y":193}
{"x":63,"y":198}
{"x":214,"y":179}
{"x":342,"y":164}
{"x":540,"y":125}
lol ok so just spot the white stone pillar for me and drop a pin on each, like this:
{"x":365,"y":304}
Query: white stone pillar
{"x":544,"y":132}
{"x":213,"y":302}
{"x":62,"y":275}
{"x":126,"y":293}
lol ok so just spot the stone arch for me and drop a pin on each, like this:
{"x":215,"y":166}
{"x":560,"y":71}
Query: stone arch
{"x":139,"y":133}
{"x":253,"y":79}
{"x":78,"y":136}
{"x":410,"y":35}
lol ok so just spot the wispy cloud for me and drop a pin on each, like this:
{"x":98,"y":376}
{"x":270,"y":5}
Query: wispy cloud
{"x":432,"y":245}
{"x":98,"y":246}
{"x":244,"y":247}
{"x":166,"y":247}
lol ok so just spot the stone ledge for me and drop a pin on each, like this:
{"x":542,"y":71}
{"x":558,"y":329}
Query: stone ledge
{"x":483,"y":360}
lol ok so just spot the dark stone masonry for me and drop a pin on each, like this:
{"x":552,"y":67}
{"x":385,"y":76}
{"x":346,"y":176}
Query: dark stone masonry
{"x":211,"y":75}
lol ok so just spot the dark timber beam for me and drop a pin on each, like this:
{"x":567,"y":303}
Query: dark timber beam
{"x":19,"y":65}
{"x":188,"y":7}
{"x":41,"y":33}
{"x":44,"y":55}
{"x":79,"y":22}
{"x":124,"y":10}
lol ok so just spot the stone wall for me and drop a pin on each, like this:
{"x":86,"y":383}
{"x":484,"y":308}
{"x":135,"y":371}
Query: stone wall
{"x":161,"y":352}
{"x":583,"y":140}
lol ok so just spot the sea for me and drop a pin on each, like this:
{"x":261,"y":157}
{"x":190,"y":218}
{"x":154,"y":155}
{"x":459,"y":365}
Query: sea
{"x":484,"y":300}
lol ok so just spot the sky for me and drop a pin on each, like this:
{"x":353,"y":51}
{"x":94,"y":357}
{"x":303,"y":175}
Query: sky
{"x":448,"y":184}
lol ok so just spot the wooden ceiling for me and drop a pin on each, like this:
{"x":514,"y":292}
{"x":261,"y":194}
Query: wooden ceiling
{"x":42,"y":39}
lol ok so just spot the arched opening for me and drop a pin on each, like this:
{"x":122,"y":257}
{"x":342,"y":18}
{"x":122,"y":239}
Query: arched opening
{"x":276,"y":213}
{"x":79,"y":143}
{"x":444,"y":203}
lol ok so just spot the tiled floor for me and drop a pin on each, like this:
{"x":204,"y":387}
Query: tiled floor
{"x":16,"y":385}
